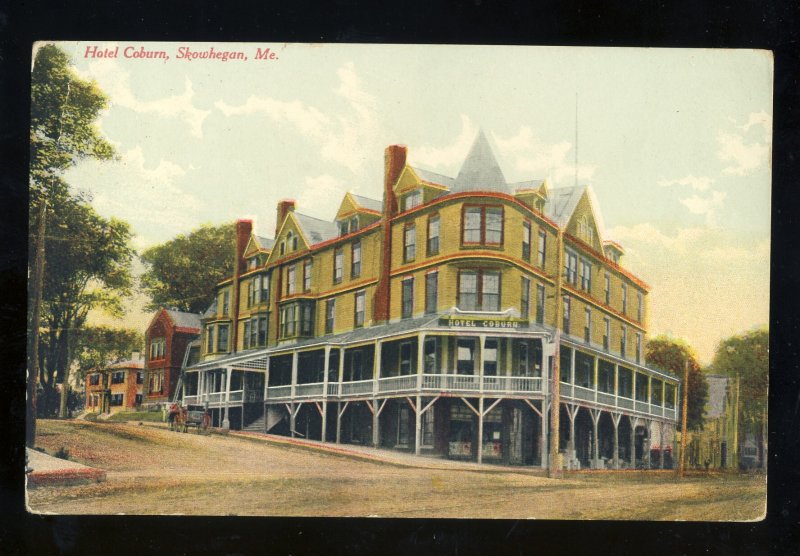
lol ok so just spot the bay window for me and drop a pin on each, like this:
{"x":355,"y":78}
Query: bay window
{"x":482,"y":225}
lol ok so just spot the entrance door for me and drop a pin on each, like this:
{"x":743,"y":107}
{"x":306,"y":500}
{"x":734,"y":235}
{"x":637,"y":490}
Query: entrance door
{"x":515,"y":444}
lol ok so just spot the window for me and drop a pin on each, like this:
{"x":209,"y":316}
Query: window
{"x":431,"y":292}
{"x":625,"y":382}
{"x":291,"y":279}
{"x":409,"y":242}
{"x":355,"y":259}
{"x":656,"y":387}
{"x":291,"y":240}
{"x":306,"y":319}
{"x":638,"y":347}
{"x":338,"y":265}
{"x":117,"y":399}
{"x":94,"y":379}
{"x":639,"y":306}
{"x":210,"y":339}
{"x":360,"y":308}
{"x":565,"y":323}
{"x":565,"y":364}
{"x":606,"y":333}
{"x":465,"y":356}
{"x":607,"y":289}
{"x":246,"y":335}
{"x":586,"y":275}
{"x":330,"y":315}
{"x":623,"y":341}
{"x":118,"y":377}
{"x":482,"y":225}
{"x":605,"y":376}
{"x":490,"y":357}
{"x":226,"y":296}
{"x":433,"y":235}
{"x":584,"y":370}
{"x":263,"y":297}
{"x":585,"y":230}
{"x":479,"y":290}
{"x":251,"y":288}
{"x":542,"y":253}
{"x":540,"y":303}
{"x":523,"y":359}
{"x":412,"y":200}
{"x":343,"y":228}
{"x":289,"y":321}
{"x":408,"y":298}
{"x":255,"y":332}
{"x":430,"y":357}
{"x":138,"y":399}
{"x":252,"y":263}
{"x":354,"y":224}
{"x":587,"y":328}
{"x":262,"y":331}
{"x":526,"y":240}
{"x":624,"y":299}
{"x":571,"y":267}
{"x":307,"y":266}
{"x":158,"y":348}
{"x":669,"y":396}
{"x":156,"y":382}
{"x":283,"y":247}
{"x":525,"y":298}
{"x":641,"y":387}
{"x":427,"y":429}
{"x":406,"y":358}
{"x":222,"y":337}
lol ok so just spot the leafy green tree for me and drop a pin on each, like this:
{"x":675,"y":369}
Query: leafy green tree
{"x":746,"y":357}
{"x":182,"y":272}
{"x":670,"y":354}
{"x":87,"y":258}
{"x":99,"y":346}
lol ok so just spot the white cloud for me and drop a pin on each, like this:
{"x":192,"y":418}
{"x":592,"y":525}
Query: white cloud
{"x":698,"y":183}
{"x":448,"y":157}
{"x":344,"y":138}
{"x":535,"y":158}
{"x":115,"y":81}
{"x":759,"y":254}
{"x":746,"y":156}
{"x":321,"y":196}
{"x":647,"y":234}
{"x":707,"y":206}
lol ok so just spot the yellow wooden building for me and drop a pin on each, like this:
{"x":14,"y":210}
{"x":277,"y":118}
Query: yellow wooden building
{"x":431,"y":321}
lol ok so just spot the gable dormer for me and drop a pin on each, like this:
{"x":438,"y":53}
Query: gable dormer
{"x":289,"y":239}
{"x":416,"y":187}
{"x":583,"y":223}
{"x":257,"y":252}
{"x":356,"y":212}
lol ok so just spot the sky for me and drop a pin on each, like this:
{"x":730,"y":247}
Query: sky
{"x":676,"y":144}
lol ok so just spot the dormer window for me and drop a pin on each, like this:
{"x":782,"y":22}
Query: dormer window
{"x":412,"y":199}
{"x":585,"y":231}
{"x":291,"y":240}
{"x":343,"y":228}
{"x":353,"y":224}
{"x":252,"y":263}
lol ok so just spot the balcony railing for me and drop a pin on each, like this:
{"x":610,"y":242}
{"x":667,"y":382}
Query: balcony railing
{"x":309,"y":390}
{"x":357,"y":387}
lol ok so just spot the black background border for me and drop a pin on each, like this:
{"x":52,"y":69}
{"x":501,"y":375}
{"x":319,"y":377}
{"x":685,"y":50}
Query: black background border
{"x":754,"y":24}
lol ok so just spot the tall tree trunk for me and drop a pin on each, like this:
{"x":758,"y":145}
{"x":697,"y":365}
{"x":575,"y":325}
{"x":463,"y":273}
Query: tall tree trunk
{"x":63,"y":370}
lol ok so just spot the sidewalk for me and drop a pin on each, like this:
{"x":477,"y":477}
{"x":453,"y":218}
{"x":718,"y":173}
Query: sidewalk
{"x":391,"y":457}
{"x":48,"y":470}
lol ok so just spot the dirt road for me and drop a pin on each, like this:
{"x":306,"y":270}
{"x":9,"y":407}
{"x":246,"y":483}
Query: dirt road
{"x":154,"y":471}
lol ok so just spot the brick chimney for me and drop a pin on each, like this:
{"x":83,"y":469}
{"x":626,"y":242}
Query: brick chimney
{"x":244,"y":228}
{"x":394,"y":161}
{"x":285,"y":206}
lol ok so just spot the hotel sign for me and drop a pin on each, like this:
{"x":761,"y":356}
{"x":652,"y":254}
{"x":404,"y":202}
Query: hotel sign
{"x":483,"y":322}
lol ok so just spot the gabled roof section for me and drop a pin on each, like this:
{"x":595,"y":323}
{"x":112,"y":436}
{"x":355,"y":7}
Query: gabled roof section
{"x":212,"y":309}
{"x":366,"y":203}
{"x":562,"y":202}
{"x":535,"y":185}
{"x":315,"y":230}
{"x":265,"y":242}
{"x":184,"y":320}
{"x":480,"y":171}
{"x":432,"y":177}
{"x":258,"y":244}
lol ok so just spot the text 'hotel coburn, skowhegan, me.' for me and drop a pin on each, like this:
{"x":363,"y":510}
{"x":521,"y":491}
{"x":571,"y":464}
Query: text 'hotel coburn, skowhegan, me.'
{"x":429,"y":321}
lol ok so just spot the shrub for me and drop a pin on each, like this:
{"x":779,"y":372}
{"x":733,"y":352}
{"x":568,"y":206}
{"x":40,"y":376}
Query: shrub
{"x":62,"y":453}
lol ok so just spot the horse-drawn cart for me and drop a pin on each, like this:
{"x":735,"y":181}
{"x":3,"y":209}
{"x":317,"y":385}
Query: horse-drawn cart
{"x":181,"y":418}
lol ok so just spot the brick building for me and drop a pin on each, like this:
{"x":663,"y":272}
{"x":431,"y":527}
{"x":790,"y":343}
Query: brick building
{"x":166,"y":340}
{"x":118,"y":387}
{"x":433,"y":320}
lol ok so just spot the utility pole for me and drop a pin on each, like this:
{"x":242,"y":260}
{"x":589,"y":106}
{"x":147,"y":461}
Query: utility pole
{"x":554,"y":470}
{"x":33,"y":327}
{"x":684,"y":411}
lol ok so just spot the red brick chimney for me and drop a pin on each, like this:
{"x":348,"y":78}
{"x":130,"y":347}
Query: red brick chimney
{"x":285,"y":206}
{"x":244,"y":228}
{"x":394,"y":161}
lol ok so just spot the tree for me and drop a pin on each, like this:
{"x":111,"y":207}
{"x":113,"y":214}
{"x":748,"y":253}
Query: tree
{"x":670,"y":354}
{"x":746,"y":357}
{"x":87,"y":258}
{"x":182,"y":272}
{"x":99,"y":346}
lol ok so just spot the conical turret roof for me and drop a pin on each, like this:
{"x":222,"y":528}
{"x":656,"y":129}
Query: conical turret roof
{"x":480,"y":171}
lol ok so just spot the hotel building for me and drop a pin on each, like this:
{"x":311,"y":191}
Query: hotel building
{"x":434,"y":321}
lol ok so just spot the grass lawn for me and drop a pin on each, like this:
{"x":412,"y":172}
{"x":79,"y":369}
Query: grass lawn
{"x":152,"y":470}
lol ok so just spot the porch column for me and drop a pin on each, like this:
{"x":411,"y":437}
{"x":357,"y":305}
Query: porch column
{"x":634,"y":421}
{"x":266,"y":379}
{"x":339,"y":422}
{"x":294,"y":374}
{"x":615,"y":418}
{"x":418,"y":426}
{"x":226,"y":424}
{"x":341,"y":371}
{"x":571,"y":441}
{"x":543,"y":434}
{"x":292,"y":415}
{"x":480,"y":419}
{"x":376,"y":373}
{"x":595,"y":413}
{"x":481,"y":360}
{"x":420,"y":360}
{"x":325,"y":369}
{"x":661,"y":444}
